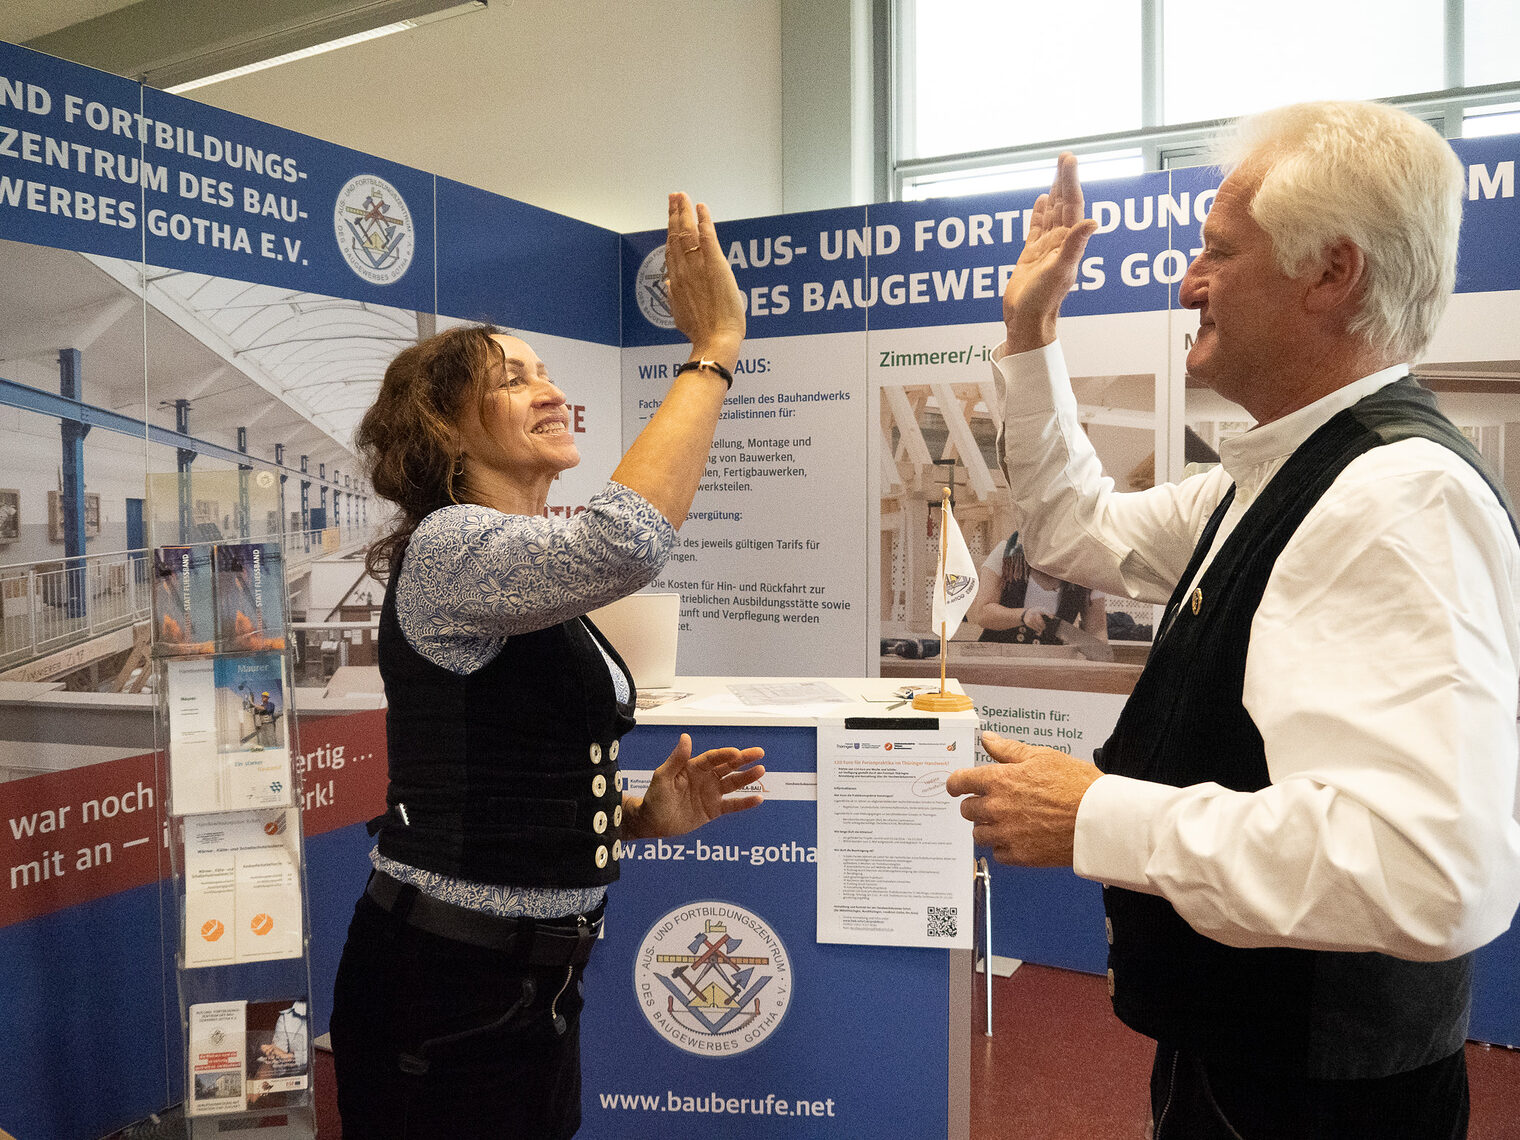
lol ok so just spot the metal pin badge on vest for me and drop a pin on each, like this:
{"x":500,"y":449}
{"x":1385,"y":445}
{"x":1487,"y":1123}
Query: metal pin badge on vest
{"x":1197,"y":599}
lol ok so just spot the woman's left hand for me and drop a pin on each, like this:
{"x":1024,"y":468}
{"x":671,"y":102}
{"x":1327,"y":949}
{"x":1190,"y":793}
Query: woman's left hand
{"x":687,"y":791}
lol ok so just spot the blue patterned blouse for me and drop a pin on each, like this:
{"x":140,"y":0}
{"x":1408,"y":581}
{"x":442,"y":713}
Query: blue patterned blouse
{"x":473,"y":577}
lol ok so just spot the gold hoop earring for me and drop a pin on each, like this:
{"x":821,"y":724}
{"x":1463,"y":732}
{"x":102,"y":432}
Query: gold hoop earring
{"x":455,"y":472}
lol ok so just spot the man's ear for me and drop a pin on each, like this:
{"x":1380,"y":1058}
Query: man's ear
{"x":1337,"y":279}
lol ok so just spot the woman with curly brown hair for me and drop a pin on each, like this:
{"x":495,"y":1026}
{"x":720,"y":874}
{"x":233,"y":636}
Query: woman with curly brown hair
{"x":457,"y":1004}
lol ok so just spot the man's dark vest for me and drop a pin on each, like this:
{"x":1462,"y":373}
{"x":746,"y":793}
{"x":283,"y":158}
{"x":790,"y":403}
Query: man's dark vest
{"x":507,"y":774}
{"x":1071,"y":599}
{"x":1324,"y":1013}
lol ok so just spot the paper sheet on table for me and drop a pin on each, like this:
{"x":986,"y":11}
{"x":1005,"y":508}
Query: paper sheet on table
{"x":779,"y":698}
{"x":788,"y":693}
{"x":894,"y":853}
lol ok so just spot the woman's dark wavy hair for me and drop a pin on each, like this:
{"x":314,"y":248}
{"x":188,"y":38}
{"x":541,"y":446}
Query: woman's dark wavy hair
{"x":407,"y":438}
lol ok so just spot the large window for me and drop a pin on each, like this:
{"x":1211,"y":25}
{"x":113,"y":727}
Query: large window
{"x":978,"y":78}
{"x":1220,"y":59}
{"x":986,"y":92}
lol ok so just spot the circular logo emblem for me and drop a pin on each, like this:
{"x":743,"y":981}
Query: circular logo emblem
{"x":264,"y":479}
{"x":374,"y":230}
{"x":650,"y":291}
{"x":261,"y":925}
{"x":212,"y":930}
{"x":713,"y":978}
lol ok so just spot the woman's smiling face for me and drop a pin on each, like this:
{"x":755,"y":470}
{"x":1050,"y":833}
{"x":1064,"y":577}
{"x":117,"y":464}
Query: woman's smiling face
{"x":523,"y":431}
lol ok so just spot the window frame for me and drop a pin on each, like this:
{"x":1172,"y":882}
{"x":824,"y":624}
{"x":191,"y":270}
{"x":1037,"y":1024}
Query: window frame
{"x":1162,"y":146}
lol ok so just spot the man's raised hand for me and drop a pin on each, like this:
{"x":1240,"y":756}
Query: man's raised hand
{"x":1047,"y":268}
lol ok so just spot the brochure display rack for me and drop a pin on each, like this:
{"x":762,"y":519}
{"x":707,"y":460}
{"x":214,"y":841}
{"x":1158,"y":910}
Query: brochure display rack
{"x":219,"y":647}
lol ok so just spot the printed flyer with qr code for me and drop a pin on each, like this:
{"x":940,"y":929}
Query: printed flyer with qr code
{"x":894,"y":853}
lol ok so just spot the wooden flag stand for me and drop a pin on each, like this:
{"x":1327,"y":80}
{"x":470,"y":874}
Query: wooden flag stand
{"x":943,"y":701}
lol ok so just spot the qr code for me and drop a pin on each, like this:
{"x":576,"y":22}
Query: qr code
{"x":941,"y":921}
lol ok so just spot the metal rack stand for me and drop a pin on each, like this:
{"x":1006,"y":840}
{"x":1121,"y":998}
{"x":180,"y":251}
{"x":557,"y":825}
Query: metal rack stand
{"x":982,"y":951}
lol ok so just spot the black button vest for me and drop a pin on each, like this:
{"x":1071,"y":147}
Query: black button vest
{"x":1325,"y":1014}
{"x":507,"y":774}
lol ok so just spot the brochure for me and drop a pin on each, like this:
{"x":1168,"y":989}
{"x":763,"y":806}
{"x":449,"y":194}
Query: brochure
{"x":242,"y":888}
{"x":183,"y":615}
{"x":195,"y":769}
{"x":279,"y":1053}
{"x":251,"y":731}
{"x":250,"y":596}
{"x":228,"y":746}
{"x":217,"y":1035}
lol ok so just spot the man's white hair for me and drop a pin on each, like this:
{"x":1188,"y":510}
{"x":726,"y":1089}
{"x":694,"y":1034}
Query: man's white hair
{"x":1371,"y":174}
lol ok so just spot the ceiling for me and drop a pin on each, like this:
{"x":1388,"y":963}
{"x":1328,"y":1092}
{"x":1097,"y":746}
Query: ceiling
{"x":292,"y":368}
{"x":22,"y":20}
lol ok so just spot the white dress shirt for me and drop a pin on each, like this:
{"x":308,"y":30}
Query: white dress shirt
{"x":1382,"y":673}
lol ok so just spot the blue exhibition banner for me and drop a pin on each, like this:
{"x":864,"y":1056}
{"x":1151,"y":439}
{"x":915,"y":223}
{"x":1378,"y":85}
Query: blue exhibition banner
{"x":101,"y":165}
{"x":949,"y":258}
{"x":71,"y":165}
{"x":87,"y":1027}
{"x":899,"y":265}
{"x":525,"y":268}
{"x":776,"y":263}
{"x":252,"y":202}
{"x":1488,"y":257}
{"x":920,"y":264}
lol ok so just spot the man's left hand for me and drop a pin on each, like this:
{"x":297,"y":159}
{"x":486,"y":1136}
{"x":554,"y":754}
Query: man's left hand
{"x":1025,"y":806}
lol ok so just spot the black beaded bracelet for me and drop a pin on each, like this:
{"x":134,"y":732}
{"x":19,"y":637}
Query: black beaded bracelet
{"x":710,"y":365}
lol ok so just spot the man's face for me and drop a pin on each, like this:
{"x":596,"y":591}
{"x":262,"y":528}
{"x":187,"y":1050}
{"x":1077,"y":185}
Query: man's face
{"x":1248,"y":308}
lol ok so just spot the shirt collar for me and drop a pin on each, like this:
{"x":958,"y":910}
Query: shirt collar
{"x":1267,"y":443}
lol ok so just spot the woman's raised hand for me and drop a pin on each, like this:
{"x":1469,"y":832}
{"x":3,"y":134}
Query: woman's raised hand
{"x":704,"y":298}
{"x":666,"y":462}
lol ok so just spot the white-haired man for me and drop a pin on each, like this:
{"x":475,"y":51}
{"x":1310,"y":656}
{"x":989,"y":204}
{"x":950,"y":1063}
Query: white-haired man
{"x":1304,"y":820}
